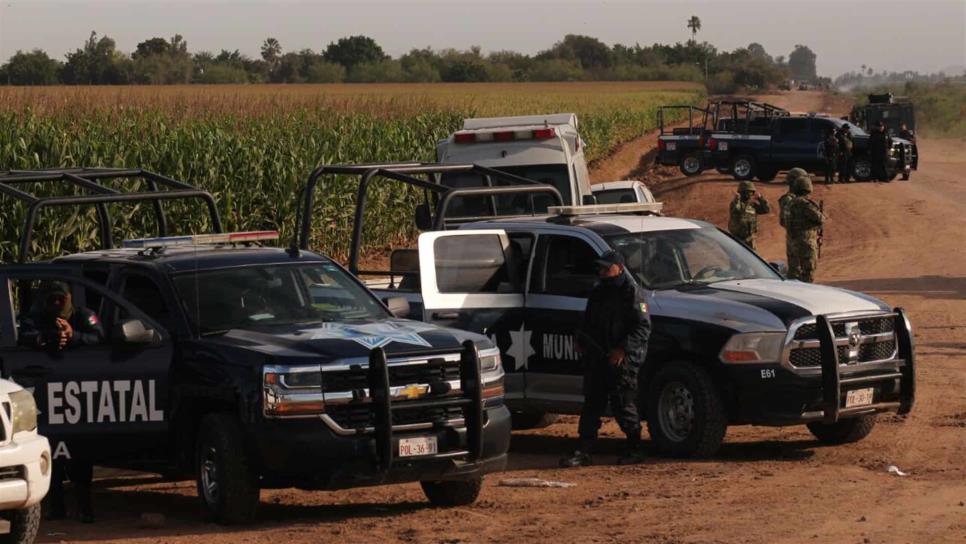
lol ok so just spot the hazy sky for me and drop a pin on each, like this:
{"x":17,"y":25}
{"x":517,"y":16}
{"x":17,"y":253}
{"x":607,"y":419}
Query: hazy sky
{"x":923,"y":35}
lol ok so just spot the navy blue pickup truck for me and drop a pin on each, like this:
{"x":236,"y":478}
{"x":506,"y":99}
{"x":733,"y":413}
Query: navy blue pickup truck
{"x":797,"y":141}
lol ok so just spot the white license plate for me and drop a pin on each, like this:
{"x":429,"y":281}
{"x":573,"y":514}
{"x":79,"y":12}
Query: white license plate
{"x":723,"y":146}
{"x":672,"y":146}
{"x":858,"y":397}
{"x":421,"y":445}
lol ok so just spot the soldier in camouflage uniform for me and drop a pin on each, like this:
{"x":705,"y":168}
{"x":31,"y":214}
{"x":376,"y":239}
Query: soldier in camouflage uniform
{"x":790,"y":178}
{"x":802,"y":219}
{"x":743,"y":213}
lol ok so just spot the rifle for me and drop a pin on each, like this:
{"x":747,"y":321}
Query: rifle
{"x":821,"y":229}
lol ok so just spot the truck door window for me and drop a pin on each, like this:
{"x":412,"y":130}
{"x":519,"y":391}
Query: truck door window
{"x":564,"y":267}
{"x":794,"y":129}
{"x":144,"y":294}
{"x":521,"y":248}
{"x":42,"y":310}
{"x":473,"y":264}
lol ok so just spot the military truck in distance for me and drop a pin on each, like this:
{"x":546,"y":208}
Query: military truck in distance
{"x":892,"y":111}
{"x":733,"y":341}
{"x":247,"y":367}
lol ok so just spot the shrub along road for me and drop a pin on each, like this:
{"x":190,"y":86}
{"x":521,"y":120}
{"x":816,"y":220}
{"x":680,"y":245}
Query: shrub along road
{"x":901,"y":241}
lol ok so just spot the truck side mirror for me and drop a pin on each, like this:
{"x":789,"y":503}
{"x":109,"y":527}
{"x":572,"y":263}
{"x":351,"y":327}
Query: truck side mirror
{"x":589,"y":200}
{"x":398,"y":306}
{"x":779,"y":266}
{"x":423,"y":218}
{"x":134,"y":332}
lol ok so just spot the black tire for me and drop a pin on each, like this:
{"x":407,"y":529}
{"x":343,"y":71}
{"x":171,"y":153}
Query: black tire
{"x":692,"y":165}
{"x":703,"y":434}
{"x":453,"y":492}
{"x":222,"y":459}
{"x":532,"y":420}
{"x":862,"y":169}
{"x":767,"y":175}
{"x":23,"y":525}
{"x":845,"y":431}
{"x":906,"y":174}
{"x":743,"y":167}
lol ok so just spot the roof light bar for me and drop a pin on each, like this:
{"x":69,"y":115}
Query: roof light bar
{"x":600,"y":209}
{"x":202,"y":239}
{"x":504,"y":135}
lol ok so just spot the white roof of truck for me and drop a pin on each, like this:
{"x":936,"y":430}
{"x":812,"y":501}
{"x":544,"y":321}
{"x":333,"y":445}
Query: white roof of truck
{"x":521,"y":120}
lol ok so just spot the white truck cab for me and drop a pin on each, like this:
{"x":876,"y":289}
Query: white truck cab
{"x":544,"y":148}
{"x":25,"y":463}
{"x":623,"y":192}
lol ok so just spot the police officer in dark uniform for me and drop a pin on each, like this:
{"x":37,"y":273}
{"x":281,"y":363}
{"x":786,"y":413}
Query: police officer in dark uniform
{"x":845,"y":153}
{"x":57,"y":325}
{"x":879,"y":145}
{"x":830,"y":151}
{"x":613,"y":342}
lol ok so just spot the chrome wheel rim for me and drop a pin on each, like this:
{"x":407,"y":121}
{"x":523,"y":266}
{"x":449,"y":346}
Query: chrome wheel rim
{"x":676,"y":411}
{"x":691,"y":165}
{"x":863,"y":169}
{"x":742,"y":168}
{"x":209,"y":476}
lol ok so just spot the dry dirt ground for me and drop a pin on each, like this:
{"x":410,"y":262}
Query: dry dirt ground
{"x":904,"y":242}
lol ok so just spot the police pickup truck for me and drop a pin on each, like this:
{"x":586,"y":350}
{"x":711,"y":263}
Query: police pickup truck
{"x":251,"y":367}
{"x":733,"y":341}
{"x":797,"y":141}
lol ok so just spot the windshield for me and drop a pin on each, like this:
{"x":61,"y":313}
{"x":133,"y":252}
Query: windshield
{"x":672,"y":258}
{"x":556,"y":175}
{"x":260,"y":296}
{"x":855,"y":130}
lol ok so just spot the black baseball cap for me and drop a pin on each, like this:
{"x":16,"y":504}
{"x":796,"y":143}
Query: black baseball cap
{"x":609,"y":258}
{"x":54,"y":288}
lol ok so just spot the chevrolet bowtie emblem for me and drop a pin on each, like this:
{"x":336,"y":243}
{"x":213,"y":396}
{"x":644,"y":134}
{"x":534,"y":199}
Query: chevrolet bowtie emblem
{"x":413,"y":392}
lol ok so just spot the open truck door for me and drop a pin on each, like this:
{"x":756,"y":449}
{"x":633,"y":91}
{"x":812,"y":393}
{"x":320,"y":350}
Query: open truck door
{"x":474,"y":280}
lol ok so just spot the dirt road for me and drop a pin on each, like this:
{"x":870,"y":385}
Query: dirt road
{"x":904,"y":242}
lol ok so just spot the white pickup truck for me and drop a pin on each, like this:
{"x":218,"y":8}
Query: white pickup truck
{"x":545,"y":148}
{"x":25,"y":464}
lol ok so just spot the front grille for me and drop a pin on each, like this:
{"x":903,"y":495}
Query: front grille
{"x":810,"y":356}
{"x":359,"y":416}
{"x":357,"y":377}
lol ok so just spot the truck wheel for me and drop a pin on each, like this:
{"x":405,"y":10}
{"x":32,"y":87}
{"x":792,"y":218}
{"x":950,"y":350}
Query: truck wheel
{"x":743,"y":167}
{"x":906,"y":174}
{"x":767,"y":175}
{"x":685,"y":415}
{"x":227,"y":485}
{"x":862,"y":169}
{"x":532,"y":420}
{"x":845,"y":431}
{"x":692,"y":165}
{"x":453,"y":492}
{"x":23,"y":525}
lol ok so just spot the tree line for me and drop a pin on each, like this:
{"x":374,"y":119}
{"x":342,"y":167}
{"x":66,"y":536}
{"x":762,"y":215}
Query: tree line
{"x":360,"y":59}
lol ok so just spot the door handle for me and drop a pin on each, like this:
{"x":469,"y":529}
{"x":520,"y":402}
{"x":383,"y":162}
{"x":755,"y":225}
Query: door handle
{"x":32,"y":371}
{"x":445,"y":315}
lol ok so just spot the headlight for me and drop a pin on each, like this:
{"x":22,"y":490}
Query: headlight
{"x":491,"y":374}
{"x":753,"y":347}
{"x":23,"y":411}
{"x":294,"y":391}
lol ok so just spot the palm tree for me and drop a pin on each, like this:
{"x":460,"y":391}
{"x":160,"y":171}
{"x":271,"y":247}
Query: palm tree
{"x":271,"y":51}
{"x":694,"y":23}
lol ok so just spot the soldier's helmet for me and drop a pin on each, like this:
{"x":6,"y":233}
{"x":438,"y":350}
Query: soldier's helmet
{"x":794,"y":174}
{"x":802,"y":185}
{"x":746,"y":187}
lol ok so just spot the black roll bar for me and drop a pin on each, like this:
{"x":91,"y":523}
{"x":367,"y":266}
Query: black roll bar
{"x":407,"y":173}
{"x":86,"y":178}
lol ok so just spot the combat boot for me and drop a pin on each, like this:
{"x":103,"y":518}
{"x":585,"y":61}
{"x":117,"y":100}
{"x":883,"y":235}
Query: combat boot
{"x":632,"y":454}
{"x":578,"y":459}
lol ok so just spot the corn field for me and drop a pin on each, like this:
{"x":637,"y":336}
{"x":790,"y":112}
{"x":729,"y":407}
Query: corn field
{"x":253,"y":147}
